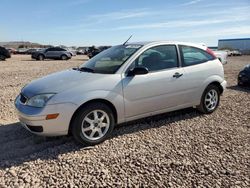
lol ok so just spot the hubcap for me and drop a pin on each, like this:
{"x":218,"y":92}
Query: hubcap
{"x":211,"y":100}
{"x":95,"y":125}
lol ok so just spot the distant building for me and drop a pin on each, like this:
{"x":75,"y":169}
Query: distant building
{"x":241,"y":44}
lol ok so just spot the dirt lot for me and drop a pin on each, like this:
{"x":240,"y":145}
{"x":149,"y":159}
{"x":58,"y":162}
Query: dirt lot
{"x":183,"y":148}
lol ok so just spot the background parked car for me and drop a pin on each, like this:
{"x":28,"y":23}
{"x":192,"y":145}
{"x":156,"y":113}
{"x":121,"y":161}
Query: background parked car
{"x":244,"y":76}
{"x":80,"y":52}
{"x":4,"y":53}
{"x":32,"y":50}
{"x":72,"y":52}
{"x":229,"y":52}
{"x":12,"y":50}
{"x":221,"y":55}
{"x":93,"y":51}
{"x":236,"y":53}
{"x":51,"y":53}
{"x":22,"y":50}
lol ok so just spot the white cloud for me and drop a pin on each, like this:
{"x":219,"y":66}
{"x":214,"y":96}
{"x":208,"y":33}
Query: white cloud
{"x":184,"y":23}
{"x":120,"y":15}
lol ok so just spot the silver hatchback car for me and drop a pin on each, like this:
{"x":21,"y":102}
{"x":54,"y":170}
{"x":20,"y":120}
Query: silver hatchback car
{"x":123,"y":83}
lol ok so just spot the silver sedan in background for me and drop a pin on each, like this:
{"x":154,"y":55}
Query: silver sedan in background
{"x":123,"y":83}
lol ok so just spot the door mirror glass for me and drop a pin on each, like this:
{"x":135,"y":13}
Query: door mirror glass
{"x":138,"y":71}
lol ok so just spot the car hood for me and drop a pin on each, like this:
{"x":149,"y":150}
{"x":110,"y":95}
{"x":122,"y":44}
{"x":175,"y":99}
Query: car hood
{"x":59,"y":82}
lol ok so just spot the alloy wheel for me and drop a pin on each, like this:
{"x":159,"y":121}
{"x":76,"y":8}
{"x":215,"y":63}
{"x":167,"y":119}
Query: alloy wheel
{"x":211,"y":100}
{"x":95,"y":125}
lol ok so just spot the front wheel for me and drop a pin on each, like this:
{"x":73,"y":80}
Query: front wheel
{"x":40,"y":57}
{"x":210,"y":100}
{"x":93,"y":124}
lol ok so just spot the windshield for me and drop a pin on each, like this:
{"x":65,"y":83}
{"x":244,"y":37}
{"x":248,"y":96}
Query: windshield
{"x":110,"y":60}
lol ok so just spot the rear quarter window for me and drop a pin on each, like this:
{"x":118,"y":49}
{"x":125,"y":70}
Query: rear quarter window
{"x":194,"y":56}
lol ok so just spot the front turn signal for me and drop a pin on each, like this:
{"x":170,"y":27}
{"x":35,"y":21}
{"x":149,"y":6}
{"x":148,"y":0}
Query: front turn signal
{"x":52,"y":116}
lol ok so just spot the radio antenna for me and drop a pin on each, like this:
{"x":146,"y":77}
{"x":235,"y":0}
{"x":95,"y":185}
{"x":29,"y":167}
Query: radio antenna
{"x":127,"y":40}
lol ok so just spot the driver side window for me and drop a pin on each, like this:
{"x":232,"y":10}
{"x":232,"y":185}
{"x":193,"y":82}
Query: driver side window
{"x":49,"y":50}
{"x":157,"y":58}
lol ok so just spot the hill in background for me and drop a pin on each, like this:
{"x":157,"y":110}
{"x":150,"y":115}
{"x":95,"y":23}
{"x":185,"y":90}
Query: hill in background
{"x":23,"y":44}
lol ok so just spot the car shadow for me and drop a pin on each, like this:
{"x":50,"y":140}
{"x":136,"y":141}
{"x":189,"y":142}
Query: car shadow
{"x":19,"y":146}
{"x":239,"y":88}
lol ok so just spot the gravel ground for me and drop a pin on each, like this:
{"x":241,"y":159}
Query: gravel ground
{"x":178,"y":149}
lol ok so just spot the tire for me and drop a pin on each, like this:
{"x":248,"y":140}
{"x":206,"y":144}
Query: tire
{"x":210,"y":100}
{"x":87,"y":123}
{"x":240,"y":83}
{"x":40,"y":57}
{"x":64,"y":57}
{"x":2,"y":58}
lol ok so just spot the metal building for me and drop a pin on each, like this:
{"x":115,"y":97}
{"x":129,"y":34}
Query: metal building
{"x":241,"y":44}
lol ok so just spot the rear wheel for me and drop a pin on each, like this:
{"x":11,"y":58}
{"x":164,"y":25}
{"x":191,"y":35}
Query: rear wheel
{"x":93,"y":124}
{"x":2,"y":58}
{"x":64,"y":57}
{"x":210,"y":99}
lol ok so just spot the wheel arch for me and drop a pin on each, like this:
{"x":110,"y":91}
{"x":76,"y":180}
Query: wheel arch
{"x":67,"y":54}
{"x":216,"y":83}
{"x":98,"y":100}
{"x":216,"y":80}
{"x":41,"y":54}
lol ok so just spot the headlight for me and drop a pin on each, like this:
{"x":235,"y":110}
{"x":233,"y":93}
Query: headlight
{"x":39,"y":100}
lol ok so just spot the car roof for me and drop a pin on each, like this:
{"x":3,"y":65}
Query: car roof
{"x":145,"y":43}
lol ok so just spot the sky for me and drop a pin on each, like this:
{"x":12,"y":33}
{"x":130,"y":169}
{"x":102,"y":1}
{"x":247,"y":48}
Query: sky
{"x":110,"y":22}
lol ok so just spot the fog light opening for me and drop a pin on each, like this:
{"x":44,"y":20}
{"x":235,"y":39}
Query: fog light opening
{"x":52,"y":116}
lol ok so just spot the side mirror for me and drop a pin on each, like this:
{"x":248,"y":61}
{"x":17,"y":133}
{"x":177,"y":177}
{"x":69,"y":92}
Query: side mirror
{"x":138,"y":71}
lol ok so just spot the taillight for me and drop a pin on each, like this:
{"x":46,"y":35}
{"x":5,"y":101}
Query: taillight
{"x":210,"y":52}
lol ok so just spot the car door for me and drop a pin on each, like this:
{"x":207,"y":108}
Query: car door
{"x":198,"y":66}
{"x":50,"y":53}
{"x":58,"y":52}
{"x":162,"y":88}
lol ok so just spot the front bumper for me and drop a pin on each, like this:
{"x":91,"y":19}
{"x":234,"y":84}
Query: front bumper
{"x":224,"y":85}
{"x":8,"y":56}
{"x":33,"y":57}
{"x":34,"y":119}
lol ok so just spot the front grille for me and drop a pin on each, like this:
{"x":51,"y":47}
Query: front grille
{"x":23,"y":99}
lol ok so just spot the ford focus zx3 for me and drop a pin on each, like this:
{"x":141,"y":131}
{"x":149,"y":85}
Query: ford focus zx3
{"x":123,"y":83}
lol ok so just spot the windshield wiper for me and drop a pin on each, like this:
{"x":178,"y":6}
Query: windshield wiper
{"x":84,"y":69}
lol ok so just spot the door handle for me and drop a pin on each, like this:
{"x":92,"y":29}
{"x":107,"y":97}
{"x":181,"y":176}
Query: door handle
{"x":177,"y":75}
